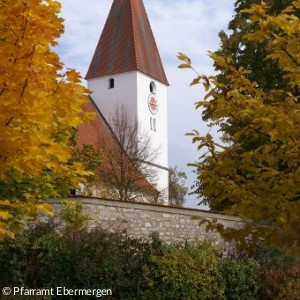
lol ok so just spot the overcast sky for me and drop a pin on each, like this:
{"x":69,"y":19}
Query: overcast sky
{"x":188,"y":26}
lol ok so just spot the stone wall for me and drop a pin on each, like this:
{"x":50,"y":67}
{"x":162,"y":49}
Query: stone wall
{"x":174,"y":225}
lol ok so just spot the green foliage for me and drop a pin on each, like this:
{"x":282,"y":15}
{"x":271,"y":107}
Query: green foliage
{"x":184,"y":273}
{"x":45,"y":257}
{"x":82,"y":258}
{"x":19,"y":297}
{"x":19,"y":255}
{"x":251,"y":55}
{"x":27,"y":191}
{"x":72,"y":213}
{"x":177,"y":188}
{"x":241,"y":277}
{"x":254,"y":171}
{"x":90,"y":157}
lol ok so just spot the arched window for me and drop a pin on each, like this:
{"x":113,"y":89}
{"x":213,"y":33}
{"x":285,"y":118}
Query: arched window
{"x":152,"y":87}
{"x":111,"y":83}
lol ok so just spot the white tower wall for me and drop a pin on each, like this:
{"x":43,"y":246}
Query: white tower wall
{"x":123,"y":94}
{"x":158,"y":131}
{"x":131,"y":90}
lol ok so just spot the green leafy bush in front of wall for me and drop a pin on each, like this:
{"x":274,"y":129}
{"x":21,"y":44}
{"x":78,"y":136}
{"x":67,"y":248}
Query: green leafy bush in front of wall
{"x":241,"y":278}
{"x":189,"y":272}
{"x":48,"y":256}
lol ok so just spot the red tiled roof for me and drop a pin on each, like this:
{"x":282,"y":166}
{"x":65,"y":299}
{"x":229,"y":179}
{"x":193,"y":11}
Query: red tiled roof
{"x":98,"y":133}
{"x":127,"y":44}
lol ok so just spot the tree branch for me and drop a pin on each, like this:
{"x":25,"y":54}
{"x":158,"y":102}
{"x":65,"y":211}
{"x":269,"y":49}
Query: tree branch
{"x":2,"y":91}
{"x":290,"y":56}
{"x":26,"y":80}
{"x":9,"y":121}
{"x":26,"y":23}
{"x":23,"y":90}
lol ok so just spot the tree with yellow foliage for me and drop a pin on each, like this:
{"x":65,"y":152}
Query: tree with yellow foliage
{"x":255,"y":171}
{"x":40,"y":104}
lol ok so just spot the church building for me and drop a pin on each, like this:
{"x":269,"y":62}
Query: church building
{"x":126,"y":72}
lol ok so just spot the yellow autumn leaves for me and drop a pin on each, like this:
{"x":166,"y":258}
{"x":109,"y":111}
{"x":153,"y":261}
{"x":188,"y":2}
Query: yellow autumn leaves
{"x":256,"y":172}
{"x":40,"y":102}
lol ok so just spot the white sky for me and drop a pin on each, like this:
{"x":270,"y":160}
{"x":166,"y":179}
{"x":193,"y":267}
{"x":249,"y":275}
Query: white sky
{"x":188,"y":26}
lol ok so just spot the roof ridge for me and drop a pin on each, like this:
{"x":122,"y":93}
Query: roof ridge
{"x":133,"y":33}
{"x":155,"y":45}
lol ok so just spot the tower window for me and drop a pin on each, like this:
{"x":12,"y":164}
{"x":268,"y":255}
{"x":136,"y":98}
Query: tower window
{"x":152,"y":87}
{"x":111,"y":83}
{"x":153,"y":124}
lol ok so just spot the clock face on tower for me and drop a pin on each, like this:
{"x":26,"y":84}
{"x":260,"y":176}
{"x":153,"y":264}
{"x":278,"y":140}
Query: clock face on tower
{"x":153,"y":104}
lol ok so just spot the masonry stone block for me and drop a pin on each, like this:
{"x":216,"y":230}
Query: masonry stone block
{"x":140,"y":220}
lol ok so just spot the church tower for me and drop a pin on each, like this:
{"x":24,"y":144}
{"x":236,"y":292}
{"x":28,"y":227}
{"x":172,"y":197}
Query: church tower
{"x":126,"y":71}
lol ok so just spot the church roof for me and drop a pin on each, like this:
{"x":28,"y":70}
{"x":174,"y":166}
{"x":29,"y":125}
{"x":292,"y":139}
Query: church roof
{"x":127,"y":44}
{"x":99,"y":134}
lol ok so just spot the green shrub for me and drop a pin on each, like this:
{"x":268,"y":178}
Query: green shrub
{"x":22,"y":297}
{"x":45,"y":257}
{"x":90,"y":259}
{"x":241,"y":278}
{"x":72,"y":213}
{"x":20,"y":257}
{"x":183,"y":273}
